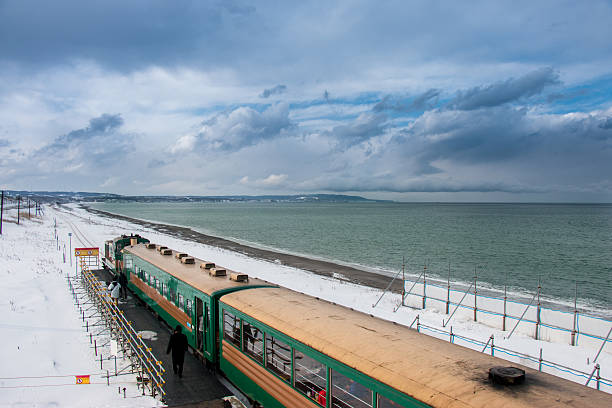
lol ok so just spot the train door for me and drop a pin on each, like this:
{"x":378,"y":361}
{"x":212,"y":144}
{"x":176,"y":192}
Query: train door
{"x":206,"y":328}
{"x":199,"y":324}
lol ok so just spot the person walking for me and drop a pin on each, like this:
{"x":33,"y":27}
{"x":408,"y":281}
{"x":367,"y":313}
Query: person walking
{"x":114,"y":289}
{"x":178,"y":346}
{"x":123,"y":282}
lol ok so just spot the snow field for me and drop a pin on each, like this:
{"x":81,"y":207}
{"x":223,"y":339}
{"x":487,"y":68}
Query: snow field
{"x":43,"y":343}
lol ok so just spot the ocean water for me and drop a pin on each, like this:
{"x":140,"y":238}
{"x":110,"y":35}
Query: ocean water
{"x":559,"y":245}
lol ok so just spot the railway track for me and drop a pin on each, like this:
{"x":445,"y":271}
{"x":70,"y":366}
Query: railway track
{"x":78,"y":234}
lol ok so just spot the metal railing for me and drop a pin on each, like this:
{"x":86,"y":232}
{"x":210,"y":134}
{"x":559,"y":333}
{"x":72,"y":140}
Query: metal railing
{"x":148,"y":368}
{"x":443,"y":297}
{"x":577,"y":375}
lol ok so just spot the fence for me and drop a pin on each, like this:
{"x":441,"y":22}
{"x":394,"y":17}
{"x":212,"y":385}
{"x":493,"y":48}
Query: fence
{"x":592,"y":379}
{"x":91,"y":296}
{"x":20,"y":204}
{"x":532,"y":319}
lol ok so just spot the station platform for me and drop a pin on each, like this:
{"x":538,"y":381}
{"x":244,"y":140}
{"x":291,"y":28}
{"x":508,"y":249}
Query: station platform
{"x":198,"y":388}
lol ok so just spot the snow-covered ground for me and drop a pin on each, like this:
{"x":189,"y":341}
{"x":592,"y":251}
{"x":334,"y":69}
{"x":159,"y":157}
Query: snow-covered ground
{"x":43,"y":345}
{"x":42,"y":333}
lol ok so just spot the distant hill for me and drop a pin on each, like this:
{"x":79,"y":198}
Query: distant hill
{"x":71,"y":196}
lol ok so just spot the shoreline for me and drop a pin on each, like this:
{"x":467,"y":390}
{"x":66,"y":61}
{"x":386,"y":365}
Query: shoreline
{"x":319,"y":267}
{"x":325,"y":268}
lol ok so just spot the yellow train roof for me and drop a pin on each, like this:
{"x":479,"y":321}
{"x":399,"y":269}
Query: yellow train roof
{"x":191,"y":274}
{"x":431,"y":370}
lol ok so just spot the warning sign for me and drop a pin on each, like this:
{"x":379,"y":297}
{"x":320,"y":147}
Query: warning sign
{"x":82,"y":379}
{"x":86,"y":251}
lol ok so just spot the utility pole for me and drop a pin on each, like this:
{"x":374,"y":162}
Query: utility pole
{"x":70,"y":253}
{"x":1,"y":211}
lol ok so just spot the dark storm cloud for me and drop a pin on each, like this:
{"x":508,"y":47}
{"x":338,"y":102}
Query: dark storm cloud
{"x":99,"y":127}
{"x":480,"y":136}
{"x":506,"y":91}
{"x":606,"y":124}
{"x":97,"y":145}
{"x":391,"y":184}
{"x":503,"y":136}
{"x":424,"y":101}
{"x":363,"y":128}
{"x":121,"y":34}
{"x":278,"y":89}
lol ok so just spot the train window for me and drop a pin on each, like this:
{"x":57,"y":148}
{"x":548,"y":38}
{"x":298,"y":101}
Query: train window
{"x":181,"y":301}
{"x":158,"y":285}
{"x":172,"y":295}
{"x":231,"y":328}
{"x":347,"y":393}
{"x":310,"y":377}
{"x":278,"y":357}
{"x":165,"y":289}
{"x":128,"y":262}
{"x":147,"y":278}
{"x":387,"y":403}
{"x":253,"y":341}
{"x":188,"y":306}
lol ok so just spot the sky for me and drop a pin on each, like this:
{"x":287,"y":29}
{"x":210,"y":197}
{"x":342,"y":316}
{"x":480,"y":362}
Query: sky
{"x":409,"y":101}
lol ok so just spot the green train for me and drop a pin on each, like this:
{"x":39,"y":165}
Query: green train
{"x":282,"y":348}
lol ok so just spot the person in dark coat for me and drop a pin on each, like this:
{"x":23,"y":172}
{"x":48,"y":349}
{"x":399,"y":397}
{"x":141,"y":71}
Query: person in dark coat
{"x":123,"y":282}
{"x":178,"y":345}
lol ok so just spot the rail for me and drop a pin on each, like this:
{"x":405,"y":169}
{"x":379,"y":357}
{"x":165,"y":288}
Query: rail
{"x":150,"y":370}
{"x":543,"y":323}
{"x":577,"y":375}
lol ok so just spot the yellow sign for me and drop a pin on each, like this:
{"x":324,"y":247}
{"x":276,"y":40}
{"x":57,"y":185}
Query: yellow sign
{"x":86,"y":251}
{"x":82,"y":379}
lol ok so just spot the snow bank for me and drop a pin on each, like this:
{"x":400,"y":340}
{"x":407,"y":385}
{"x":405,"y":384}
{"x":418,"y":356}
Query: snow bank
{"x":43,"y":344}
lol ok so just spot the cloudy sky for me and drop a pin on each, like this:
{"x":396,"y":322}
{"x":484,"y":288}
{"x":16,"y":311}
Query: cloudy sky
{"x":404,"y":100}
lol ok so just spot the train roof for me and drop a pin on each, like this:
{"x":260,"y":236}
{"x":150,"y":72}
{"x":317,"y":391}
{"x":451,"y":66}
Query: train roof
{"x":127,"y":237}
{"x":191,"y":274}
{"x":431,"y":370}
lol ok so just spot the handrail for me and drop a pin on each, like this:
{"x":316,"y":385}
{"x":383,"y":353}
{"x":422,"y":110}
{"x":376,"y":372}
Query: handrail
{"x":115,"y":320}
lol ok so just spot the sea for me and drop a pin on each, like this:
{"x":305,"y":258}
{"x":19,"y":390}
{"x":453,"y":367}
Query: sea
{"x":564,"y":248}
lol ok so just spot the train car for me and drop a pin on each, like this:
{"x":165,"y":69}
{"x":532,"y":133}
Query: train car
{"x":286,"y":349}
{"x":113,"y":258}
{"x":183,"y":290}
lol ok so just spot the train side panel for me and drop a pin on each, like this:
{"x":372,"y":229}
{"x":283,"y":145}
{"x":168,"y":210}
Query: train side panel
{"x":278,"y":371}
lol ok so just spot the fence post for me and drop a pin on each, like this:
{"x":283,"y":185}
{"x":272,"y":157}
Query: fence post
{"x":1,"y":211}
{"x":492,"y":346}
{"x":448,"y":289}
{"x":573,"y":340}
{"x":505,"y":301}
{"x":597,"y":377}
{"x":18,"y":208}
{"x":538,"y":308}
{"x":424,"y":284}
{"x":29,"y":213}
{"x":418,"y":324}
{"x":452,"y":336}
{"x":475,"y":294}
{"x":540,"y":361}
{"x":403,"y":279}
